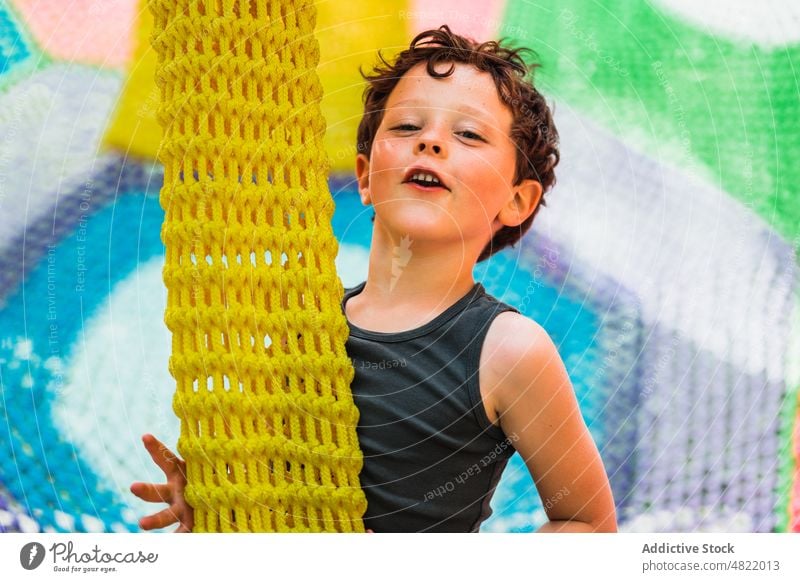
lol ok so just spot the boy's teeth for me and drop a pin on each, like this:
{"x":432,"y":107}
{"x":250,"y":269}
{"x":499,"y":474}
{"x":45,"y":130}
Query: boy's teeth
{"x":426,"y":178}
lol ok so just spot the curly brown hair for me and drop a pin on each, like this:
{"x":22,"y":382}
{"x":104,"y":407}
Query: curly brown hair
{"x":533,"y":131}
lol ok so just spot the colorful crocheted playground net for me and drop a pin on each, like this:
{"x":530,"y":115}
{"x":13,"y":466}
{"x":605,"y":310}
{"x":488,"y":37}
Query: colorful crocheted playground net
{"x":665,"y":266}
{"x":267,"y":418}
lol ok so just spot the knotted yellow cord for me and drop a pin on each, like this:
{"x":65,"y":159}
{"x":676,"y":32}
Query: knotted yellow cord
{"x":263,"y":379}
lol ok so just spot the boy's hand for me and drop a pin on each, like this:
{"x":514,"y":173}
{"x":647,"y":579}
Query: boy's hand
{"x":170,"y":492}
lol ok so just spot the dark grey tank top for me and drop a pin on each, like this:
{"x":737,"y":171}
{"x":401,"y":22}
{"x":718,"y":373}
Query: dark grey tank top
{"x":432,"y":458}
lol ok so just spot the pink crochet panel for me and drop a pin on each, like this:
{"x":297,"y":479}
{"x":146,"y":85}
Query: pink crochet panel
{"x":85,"y":31}
{"x":477,"y":19}
{"x":794,"y":510}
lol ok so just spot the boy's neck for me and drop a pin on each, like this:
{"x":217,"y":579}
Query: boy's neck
{"x":409,"y":273}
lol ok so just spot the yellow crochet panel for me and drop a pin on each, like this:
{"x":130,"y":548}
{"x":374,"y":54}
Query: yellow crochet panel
{"x":349,"y":35}
{"x":263,"y":379}
{"x":134,"y":128}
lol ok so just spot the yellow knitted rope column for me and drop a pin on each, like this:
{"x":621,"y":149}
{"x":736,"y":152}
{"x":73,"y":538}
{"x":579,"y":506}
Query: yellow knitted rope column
{"x":263,"y":379}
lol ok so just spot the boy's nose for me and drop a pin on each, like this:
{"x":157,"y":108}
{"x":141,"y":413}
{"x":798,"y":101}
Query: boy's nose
{"x":431,"y":140}
{"x":430,"y":146}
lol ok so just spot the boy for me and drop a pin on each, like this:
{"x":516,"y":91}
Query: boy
{"x":455,"y":151}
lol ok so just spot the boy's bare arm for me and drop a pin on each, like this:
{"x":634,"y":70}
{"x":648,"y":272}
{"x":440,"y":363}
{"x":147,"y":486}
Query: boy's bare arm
{"x":538,"y":411}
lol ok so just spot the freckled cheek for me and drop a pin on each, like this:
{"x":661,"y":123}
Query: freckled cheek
{"x":477,"y":166}
{"x":385,"y":167}
{"x":477,"y":177}
{"x":385,"y":153}
{"x":487,"y":174}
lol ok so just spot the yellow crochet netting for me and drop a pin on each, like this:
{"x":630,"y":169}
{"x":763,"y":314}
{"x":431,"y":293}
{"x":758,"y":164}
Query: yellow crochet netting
{"x":134,"y":128}
{"x":263,"y":379}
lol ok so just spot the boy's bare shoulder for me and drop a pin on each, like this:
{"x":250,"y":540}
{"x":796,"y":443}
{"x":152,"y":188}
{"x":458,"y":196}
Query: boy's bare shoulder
{"x":513,"y":337}
{"x":515,"y":350}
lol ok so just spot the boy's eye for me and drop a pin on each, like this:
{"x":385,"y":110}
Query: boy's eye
{"x":470,"y":135}
{"x":466,"y":133}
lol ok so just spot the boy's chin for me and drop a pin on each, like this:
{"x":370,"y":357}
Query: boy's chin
{"x":420,"y":223}
{"x":439,"y":238}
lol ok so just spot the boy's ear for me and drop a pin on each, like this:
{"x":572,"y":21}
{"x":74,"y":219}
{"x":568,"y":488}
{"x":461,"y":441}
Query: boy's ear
{"x":522,"y":204}
{"x":362,"y":176}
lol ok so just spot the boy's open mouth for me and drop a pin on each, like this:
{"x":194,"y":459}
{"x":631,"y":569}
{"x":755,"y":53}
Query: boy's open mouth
{"x":425,"y":178}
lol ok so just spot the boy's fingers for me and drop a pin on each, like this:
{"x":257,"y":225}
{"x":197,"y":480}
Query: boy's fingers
{"x":161,"y":455}
{"x":158,"y":520}
{"x":152,"y":492}
{"x":186,"y":514}
{"x":180,"y":464}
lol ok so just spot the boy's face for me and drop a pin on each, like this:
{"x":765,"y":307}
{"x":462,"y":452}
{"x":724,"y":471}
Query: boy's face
{"x":458,"y":128}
